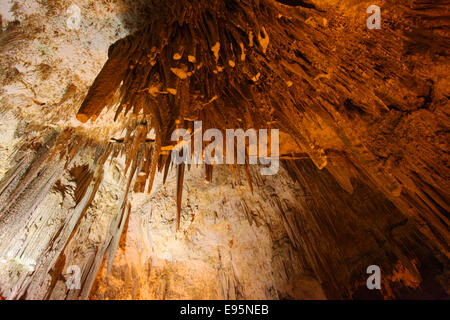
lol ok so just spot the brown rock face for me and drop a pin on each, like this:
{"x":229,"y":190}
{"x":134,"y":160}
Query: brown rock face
{"x":88,"y":188}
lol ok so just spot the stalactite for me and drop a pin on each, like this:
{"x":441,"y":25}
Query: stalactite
{"x":180,"y":179}
{"x":353,"y":108}
{"x":214,"y":61}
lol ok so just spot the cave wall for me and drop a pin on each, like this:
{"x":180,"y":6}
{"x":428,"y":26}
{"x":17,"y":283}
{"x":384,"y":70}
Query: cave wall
{"x":299,"y":235}
{"x":375,"y":192}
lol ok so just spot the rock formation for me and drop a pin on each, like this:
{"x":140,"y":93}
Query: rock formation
{"x":87,"y":184}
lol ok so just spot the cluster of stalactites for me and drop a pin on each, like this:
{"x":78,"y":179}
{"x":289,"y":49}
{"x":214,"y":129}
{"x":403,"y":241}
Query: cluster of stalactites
{"x":195,"y":60}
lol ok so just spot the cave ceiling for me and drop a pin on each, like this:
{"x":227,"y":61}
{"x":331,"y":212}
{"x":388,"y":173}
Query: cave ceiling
{"x":87,"y":178}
